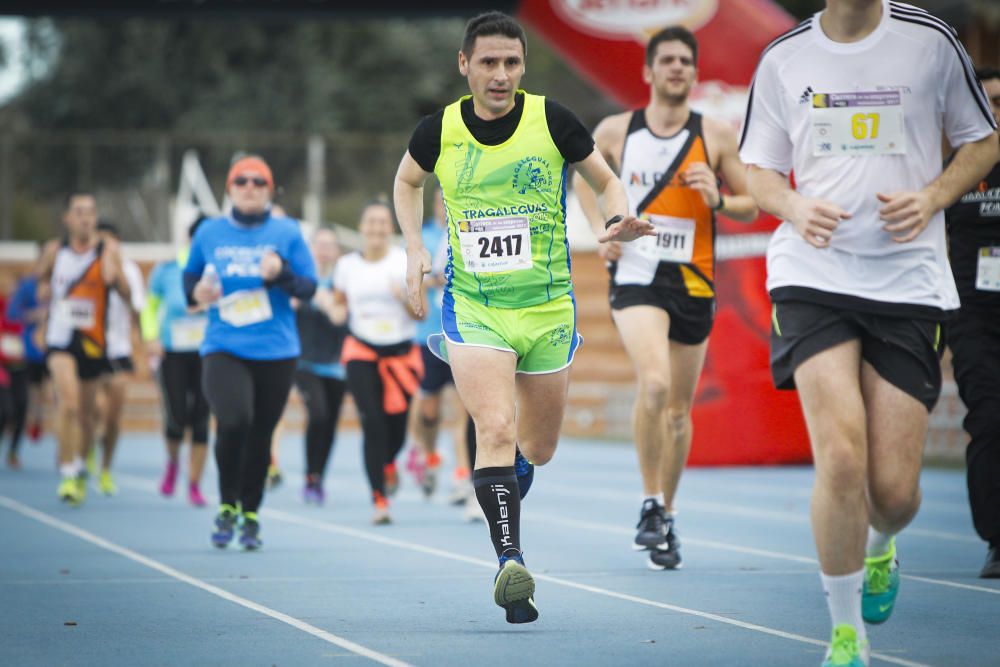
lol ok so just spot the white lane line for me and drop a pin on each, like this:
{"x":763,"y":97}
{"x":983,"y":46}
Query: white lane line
{"x":86,"y":536}
{"x":287,"y":517}
{"x":736,"y":510}
{"x":144,"y":484}
{"x":723,"y":546}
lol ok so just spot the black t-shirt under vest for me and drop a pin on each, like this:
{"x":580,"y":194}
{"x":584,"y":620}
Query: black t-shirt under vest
{"x":568,"y":133}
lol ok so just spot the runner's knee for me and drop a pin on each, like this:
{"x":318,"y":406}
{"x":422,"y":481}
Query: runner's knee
{"x":654,"y":390}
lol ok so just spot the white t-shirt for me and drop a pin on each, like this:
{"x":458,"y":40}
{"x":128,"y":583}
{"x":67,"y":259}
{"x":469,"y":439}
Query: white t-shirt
{"x":120,"y":314}
{"x":853,"y":120}
{"x":375,"y":314}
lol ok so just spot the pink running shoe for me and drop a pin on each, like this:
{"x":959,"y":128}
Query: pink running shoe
{"x":169,"y":480}
{"x":415,"y":465}
{"x":194,"y":495}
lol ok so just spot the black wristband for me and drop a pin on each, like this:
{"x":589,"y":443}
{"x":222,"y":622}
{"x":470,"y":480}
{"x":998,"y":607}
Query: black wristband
{"x":722,"y":203}
{"x":613,"y":221}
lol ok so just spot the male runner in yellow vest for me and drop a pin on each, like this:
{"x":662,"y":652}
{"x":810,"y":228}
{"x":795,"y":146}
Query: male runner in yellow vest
{"x":662,"y":288}
{"x":508,"y":317}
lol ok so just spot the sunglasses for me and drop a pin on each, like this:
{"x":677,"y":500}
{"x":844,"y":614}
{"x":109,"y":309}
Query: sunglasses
{"x":243,"y":180}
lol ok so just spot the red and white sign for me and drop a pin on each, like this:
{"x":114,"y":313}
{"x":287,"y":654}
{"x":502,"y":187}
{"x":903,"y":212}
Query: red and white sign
{"x":624,"y":18}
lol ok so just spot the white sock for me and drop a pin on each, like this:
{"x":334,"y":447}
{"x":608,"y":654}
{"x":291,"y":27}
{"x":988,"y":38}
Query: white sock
{"x":68,"y":469}
{"x":843,"y":597}
{"x":658,"y":499}
{"x":878,"y":543}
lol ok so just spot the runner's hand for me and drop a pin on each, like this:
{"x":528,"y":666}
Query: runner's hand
{"x":906,"y":214}
{"x":816,"y":219}
{"x":610,"y":251}
{"x":629,"y":229}
{"x":270,"y":265}
{"x":418,"y":263}
{"x":700,"y":177}
{"x":206,"y":293}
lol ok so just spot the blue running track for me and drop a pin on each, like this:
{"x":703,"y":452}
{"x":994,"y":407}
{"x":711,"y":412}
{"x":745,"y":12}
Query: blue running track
{"x":133,"y":580}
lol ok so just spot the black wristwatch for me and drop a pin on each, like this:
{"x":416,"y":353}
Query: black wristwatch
{"x":722,"y":203}
{"x":613,"y":221}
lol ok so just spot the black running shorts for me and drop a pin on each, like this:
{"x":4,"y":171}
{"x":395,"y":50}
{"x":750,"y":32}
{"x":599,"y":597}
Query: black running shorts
{"x":90,"y":362}
{"x":437,"y":373}
{"x":690,"y":318}
{"x":906,"y":352}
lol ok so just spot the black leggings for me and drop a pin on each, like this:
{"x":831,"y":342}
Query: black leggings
{"x":247,"y":397}
{"x":184,"y":402}
{"x":323,"y":397}
{"x":384,"y":434}
{"x":14,"y":407}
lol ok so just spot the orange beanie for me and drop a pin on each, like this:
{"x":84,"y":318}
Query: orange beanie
{"x":250,"y":163}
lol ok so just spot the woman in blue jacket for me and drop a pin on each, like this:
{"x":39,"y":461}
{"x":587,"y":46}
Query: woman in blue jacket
{"x":247,"y":267}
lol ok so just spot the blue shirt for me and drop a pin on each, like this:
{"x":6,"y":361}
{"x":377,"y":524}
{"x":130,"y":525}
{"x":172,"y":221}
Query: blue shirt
{"x":235,"y":250}
{"x":166,"y":283}
{"x":433,"y":234}
{"x":21,"y":303}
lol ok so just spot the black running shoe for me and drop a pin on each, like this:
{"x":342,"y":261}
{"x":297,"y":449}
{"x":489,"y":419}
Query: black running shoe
{"x":225,"y":526}
{"x":666,"y":556}
{"x":514,"y":590}
{"x":525,"y":471}
{"x":651,"y":531}
{"x":250,"y":532}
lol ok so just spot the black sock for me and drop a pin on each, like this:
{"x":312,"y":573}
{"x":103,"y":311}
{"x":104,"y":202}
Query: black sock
{"x":498,"y":495}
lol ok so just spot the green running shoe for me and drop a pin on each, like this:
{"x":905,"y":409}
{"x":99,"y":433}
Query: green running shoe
{"x":845,"y":649}
{"x":878,"y":596}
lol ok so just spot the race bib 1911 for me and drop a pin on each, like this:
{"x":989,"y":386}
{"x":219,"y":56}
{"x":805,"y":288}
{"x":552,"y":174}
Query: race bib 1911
{"x":988,"y":269}
{"x":187,"y":333}
{"x":494,"y":245}
{"x":860,"y":123}
{"x":674,"y":240}
{"x":245,"y":307}
{"x":77,"y":313}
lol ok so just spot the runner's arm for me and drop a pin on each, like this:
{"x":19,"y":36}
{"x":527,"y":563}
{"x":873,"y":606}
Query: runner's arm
{"x":739,"y":205}
{"x":613,"y":200}
{"x":815,"y":219}
{"x":606,"y":135}
{"x":408,"y":197}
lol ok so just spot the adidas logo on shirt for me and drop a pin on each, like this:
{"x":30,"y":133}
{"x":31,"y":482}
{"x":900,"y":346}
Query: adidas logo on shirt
{"x":806,"y":95}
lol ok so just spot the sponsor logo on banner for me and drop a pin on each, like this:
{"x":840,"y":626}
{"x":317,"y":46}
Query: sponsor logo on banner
{"x":629,"y":18}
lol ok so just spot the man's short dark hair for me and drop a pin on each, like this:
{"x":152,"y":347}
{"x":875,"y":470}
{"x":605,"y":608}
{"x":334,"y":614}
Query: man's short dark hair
{"x":987,"y":73}
{"x":489,"y":25}
{"x":73,"y":194}
{"x":108,"y":227}
{"x":675,"y":33}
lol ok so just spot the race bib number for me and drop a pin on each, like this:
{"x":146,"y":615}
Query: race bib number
{"x":11,"y":347}
{"x":674,"y":240}
{"x":78,"y":313}
{"x":245,"y":307}
{"x":187,"y":333}
{"x":494,"y":245}
{"x":862,"y":123}
{"x":988,"y":269}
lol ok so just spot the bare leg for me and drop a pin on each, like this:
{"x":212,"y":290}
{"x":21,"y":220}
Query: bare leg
{"x":643,"y":331}
{"x":686,"y":362}
{"x":829,"y":385}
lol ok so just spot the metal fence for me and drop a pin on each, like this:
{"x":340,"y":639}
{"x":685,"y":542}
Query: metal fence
{"x":135,"y":175}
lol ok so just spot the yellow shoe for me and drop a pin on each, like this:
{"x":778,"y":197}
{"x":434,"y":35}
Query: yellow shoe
{"x":106,"y":485}
{"x":69,"y":491}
